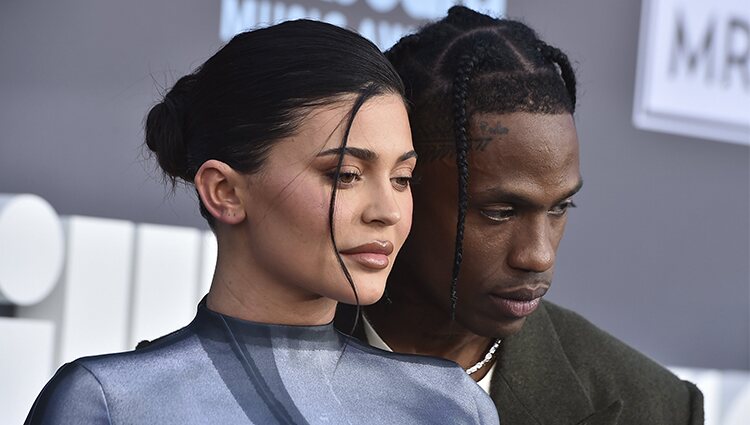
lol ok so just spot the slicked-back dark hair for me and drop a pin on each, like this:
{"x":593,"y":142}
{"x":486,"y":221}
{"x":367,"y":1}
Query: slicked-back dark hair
{"x":469,"y":62}
{"x":256,"y":90}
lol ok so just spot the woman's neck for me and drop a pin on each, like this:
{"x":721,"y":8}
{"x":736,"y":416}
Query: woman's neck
{"x":240,"y":289}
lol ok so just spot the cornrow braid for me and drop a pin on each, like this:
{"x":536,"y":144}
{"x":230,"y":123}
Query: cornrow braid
{"x":567,"y":73}
{"x":467,"y":65}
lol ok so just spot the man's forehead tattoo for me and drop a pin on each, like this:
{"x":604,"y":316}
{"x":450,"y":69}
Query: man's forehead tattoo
{"x":492,"y":129}
{"x":437,"y":149}
{"x":442,"y":147}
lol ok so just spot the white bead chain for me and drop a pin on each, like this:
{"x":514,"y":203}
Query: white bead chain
{"x":487,"y":358}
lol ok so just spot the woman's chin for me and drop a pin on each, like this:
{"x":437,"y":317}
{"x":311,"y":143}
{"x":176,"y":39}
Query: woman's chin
{"x":368,"y":293}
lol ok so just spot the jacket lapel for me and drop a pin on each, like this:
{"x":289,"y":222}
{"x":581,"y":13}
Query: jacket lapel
{"x":534,"y":382}
{"x":607,"y":416}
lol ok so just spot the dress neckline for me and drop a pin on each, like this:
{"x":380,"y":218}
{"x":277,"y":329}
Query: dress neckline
{"x":250,"y":333}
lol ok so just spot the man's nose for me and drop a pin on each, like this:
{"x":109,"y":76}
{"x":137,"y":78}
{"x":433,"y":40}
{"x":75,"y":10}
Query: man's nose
{"x":532,"y":246}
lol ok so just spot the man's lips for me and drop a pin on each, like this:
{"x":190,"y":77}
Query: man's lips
{"x":372,"y":255}
{"x":523,"y":293}
{"x":519,"y":302}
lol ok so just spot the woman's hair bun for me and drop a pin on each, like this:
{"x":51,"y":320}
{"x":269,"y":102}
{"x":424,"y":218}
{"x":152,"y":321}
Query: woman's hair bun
{"x":166,"y":130}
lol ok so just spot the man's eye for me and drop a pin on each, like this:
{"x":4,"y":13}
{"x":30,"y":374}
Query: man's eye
{"x":562,"y":208}
{"x":498,"y":214}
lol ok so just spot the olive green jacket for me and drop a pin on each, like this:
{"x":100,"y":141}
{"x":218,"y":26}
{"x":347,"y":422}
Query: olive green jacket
{"x":561,"y":369}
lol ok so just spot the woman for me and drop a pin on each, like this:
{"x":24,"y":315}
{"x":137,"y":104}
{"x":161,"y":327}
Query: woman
{"x":297,"y":141}
{"x":492,"y":121}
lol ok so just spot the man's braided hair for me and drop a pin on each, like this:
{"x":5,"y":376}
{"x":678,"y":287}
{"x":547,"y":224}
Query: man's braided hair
{"x":466,"y":63}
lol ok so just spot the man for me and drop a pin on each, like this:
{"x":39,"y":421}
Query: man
{"x":492,"y":120}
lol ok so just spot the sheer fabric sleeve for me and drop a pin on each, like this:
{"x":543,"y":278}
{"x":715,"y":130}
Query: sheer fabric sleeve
{"x":72,"y":396}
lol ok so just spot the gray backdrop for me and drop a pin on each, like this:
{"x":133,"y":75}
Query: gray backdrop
{"x":657,"y":253}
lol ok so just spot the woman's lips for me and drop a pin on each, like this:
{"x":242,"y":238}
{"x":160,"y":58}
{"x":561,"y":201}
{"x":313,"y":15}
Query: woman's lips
{"x":372,"y":255}
{"x":370,"y":260}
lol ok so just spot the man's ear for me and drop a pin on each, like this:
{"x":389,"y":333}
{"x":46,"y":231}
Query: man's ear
{"x":219,"y":185}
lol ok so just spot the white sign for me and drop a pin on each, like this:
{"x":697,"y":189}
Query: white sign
{"x":693,"y":74}
{"x":384,"y":22}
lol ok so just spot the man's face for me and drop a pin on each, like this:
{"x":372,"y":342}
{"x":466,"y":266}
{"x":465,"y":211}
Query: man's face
{"x":523,"y":172}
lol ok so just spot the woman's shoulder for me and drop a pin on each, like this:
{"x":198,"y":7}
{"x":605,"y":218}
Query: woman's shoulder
{"x":436,"y":382}
{"x":399,"y":359}
{"x":82,"y":391}
{"x":160,"y":352}
{"x":73,"y":395}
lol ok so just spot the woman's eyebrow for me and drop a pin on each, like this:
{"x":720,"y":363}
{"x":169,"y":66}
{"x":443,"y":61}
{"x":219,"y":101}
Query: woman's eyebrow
{"x":407,"y":155}
{"x":363,"y":154}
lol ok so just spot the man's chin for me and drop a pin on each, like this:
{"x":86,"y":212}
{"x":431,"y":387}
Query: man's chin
{"x":494,"y":328}
{"x":511,"y":328}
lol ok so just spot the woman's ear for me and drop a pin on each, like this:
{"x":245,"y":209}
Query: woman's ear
{"x":218,"y":186}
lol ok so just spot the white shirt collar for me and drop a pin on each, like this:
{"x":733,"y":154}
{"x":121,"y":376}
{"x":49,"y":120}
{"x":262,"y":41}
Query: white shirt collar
{"x":372,"y":337}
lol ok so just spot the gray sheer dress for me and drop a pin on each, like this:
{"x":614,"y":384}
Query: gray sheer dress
{"x":222,"y":370}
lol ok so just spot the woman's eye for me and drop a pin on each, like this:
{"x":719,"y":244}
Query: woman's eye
{"x":561,"y":209}
{"x":401,"y":183}
{"x":346,"y":178}
{"x":498,"y":214}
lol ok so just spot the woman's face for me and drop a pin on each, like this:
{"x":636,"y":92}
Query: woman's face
{"x":523,"y":173}
{"x":287,"y":230}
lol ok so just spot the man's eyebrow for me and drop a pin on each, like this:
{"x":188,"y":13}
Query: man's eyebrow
{"x":515,"y":198}
{"x":363,"y":154}
{"x":573,"y":191}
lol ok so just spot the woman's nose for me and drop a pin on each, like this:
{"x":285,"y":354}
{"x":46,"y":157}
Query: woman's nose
{"x":382,"y":206}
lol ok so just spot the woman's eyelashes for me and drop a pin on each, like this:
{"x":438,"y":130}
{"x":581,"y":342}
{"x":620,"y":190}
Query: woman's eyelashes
{"x":506,"y":212}
{"x":347,"y":177}
{"x":350,"y":176}
{"x":401,"y":183}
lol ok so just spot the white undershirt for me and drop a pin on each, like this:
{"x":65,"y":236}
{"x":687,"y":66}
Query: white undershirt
{"x":376,"y":341}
